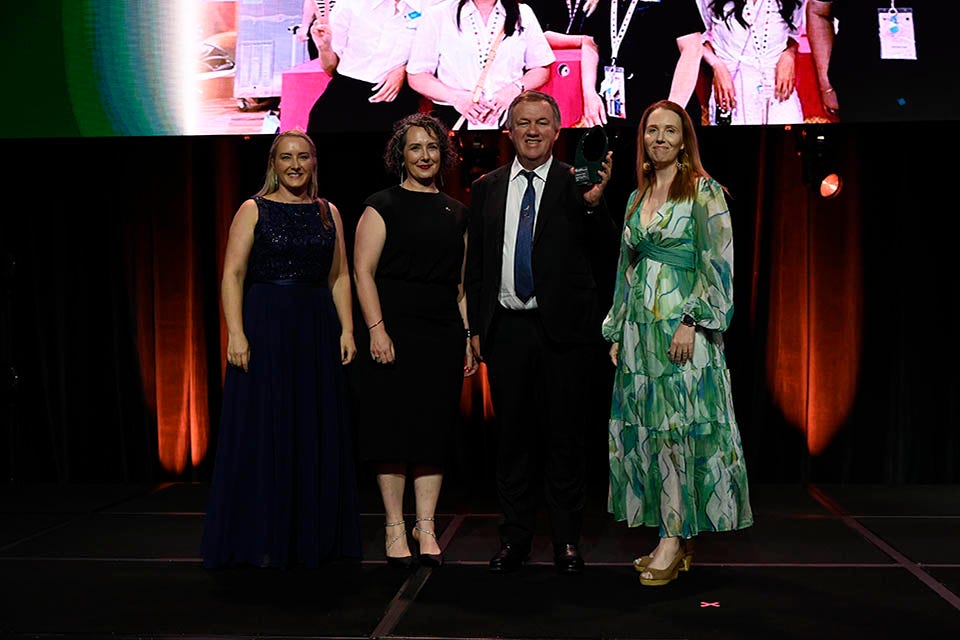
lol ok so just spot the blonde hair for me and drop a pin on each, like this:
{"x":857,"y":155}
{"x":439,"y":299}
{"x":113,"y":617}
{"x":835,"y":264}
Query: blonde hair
{"x":271,"y":182}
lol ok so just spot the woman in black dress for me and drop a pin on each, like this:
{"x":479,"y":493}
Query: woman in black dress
{"x":408,"y":266}
{"x":284,"y":487}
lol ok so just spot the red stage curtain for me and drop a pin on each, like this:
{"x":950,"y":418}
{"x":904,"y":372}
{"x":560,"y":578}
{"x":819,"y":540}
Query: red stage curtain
{"x":815,"y":297}
{"x":168,"y":254}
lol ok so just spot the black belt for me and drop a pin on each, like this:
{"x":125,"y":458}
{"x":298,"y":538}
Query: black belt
{"x":519,"y":312}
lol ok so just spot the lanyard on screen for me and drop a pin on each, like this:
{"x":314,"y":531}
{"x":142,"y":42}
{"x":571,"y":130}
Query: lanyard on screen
{"x":572,"y":12}
{"x":616,"y":35}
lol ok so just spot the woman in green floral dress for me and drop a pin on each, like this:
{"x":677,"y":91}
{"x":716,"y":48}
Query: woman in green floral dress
{"x":676,"y":461}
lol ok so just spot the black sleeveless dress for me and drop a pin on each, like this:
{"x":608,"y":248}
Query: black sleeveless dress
{"x":284,"y":487}
{"x":407,"y":411}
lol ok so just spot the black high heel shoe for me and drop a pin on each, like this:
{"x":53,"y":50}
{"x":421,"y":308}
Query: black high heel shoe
{"x":398,"y":562}
{"x":428,"y":559}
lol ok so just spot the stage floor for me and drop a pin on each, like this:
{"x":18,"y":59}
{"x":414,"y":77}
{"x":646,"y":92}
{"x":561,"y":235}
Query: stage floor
{"x":848,"y":561}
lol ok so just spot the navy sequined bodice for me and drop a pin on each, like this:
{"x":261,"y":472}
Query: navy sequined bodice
{"x":291,"y":242}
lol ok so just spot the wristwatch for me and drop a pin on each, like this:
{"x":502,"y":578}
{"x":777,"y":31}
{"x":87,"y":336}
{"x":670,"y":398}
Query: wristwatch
{"x":688,"y":320}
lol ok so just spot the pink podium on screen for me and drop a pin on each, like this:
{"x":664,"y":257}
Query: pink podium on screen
{"x":564,"y":85}
{"x":299,"y":89}
{"x":302,"y":84}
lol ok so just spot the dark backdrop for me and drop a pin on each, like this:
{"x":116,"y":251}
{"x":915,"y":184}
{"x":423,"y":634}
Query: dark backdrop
{"x":842,"y":347}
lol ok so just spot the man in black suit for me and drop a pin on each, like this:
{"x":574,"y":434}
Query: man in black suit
{"x":533,"y":310}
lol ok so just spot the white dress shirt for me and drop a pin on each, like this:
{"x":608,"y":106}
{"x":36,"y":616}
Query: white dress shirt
{"x":373,"y":37}
{"x":515,"y":191}
{"x":751,"y":55}
{"x":455,"y":56}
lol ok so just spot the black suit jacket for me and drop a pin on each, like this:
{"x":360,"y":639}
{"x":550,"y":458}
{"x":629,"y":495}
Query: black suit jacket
{"x":568,"y":241}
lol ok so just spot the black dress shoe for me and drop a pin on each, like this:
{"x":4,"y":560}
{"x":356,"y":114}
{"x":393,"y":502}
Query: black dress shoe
{"x":509,"y":558}
{"x":567,"y":559}
{"x":427,"y":559}
{"x":403,"y":563}
{"x":431,"y":559}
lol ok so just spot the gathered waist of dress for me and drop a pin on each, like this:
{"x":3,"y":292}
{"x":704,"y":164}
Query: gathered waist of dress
{"x":293,"y":282}
{"x":682,"y":256}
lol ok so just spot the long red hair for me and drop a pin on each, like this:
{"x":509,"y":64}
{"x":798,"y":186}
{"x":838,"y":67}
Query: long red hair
{"x":689,"y":167}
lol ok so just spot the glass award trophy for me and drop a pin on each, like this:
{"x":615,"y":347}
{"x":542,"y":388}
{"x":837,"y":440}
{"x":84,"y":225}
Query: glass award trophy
{"x":591,"y":150}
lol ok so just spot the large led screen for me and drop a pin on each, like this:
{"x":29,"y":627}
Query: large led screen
{"x":221,"y":67}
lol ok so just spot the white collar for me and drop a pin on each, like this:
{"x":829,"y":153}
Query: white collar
{"x":541,"y":171}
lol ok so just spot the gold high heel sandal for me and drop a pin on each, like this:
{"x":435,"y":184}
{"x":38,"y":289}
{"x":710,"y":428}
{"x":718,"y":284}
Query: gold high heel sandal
{"x":427,"y":559}
{"x":640,"y":564}
{"x":660,"y":577}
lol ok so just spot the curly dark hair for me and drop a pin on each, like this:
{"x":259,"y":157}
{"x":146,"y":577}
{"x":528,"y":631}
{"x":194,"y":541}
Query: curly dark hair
{"x":393,"y":155}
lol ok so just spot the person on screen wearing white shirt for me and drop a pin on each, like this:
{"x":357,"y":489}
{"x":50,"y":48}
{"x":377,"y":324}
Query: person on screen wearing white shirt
{"x":751,"y":45}
{"x":365,"y":47}
{"x":454,"y":43}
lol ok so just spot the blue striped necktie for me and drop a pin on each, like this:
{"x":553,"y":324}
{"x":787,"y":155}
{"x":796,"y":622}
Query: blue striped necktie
{"x":523,"y":253}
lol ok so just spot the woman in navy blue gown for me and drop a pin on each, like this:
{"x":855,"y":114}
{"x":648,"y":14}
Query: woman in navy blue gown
{"x":283,"y":491}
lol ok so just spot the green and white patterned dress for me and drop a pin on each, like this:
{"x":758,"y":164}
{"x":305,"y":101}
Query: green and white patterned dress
{"x":676,"y":461}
